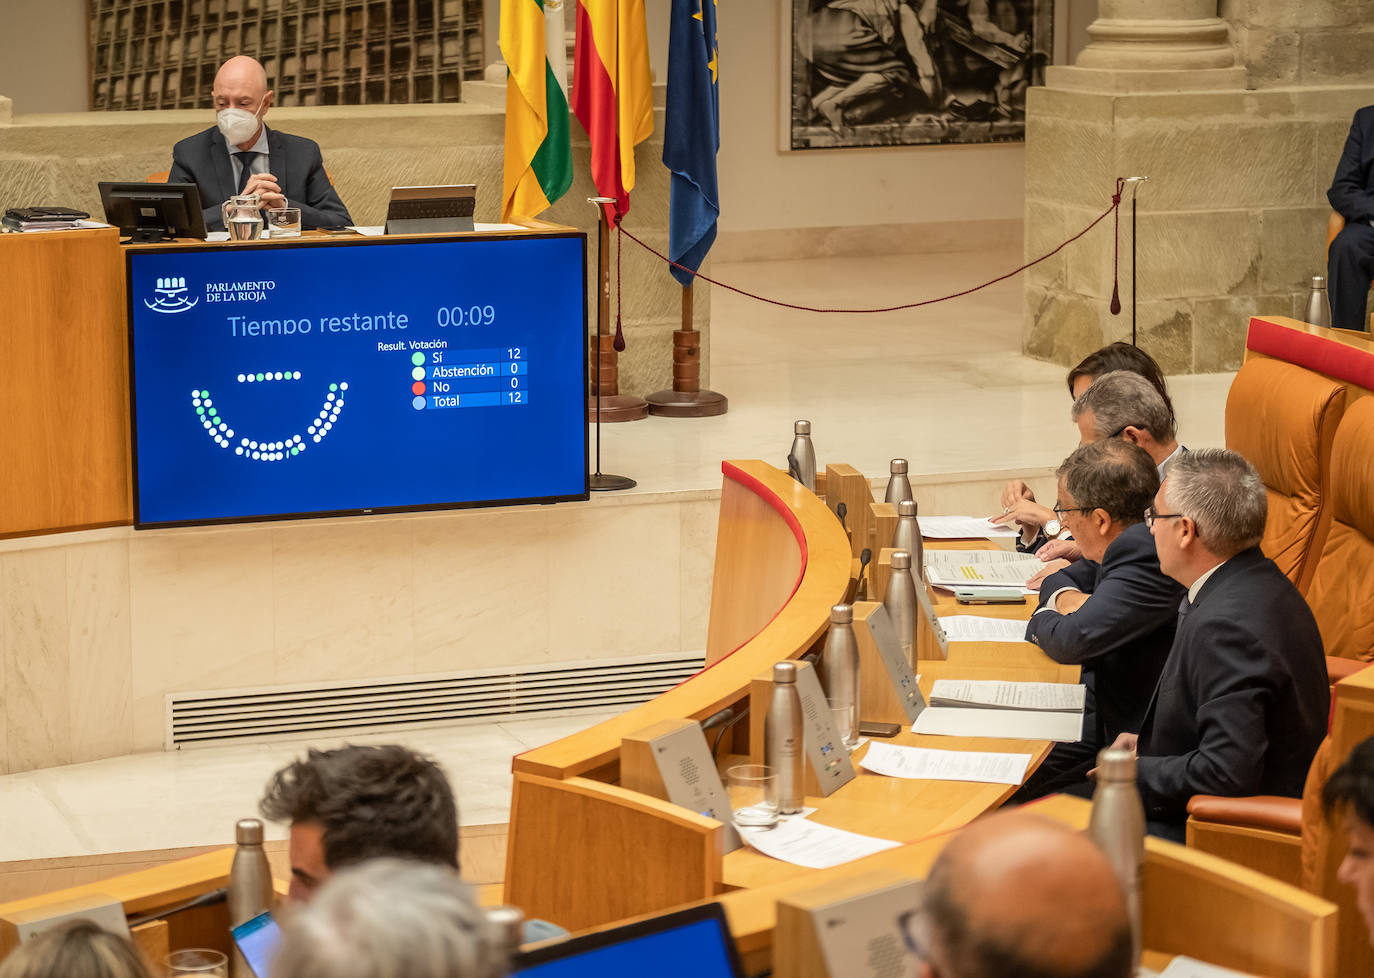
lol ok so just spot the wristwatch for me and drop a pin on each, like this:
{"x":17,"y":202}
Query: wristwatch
{"x":1053,"y":529}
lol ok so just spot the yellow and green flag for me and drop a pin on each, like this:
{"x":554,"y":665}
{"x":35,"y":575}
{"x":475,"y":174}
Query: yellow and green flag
{"x":538,"y":159}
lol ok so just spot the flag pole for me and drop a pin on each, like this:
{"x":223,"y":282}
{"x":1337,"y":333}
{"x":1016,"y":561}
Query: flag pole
{"x":602,"y":351}
{"x":686,"y":399}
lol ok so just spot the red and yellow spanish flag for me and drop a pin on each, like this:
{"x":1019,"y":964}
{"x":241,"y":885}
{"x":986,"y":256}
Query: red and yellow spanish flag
{"x":538,"y":158}
{"x":613,"y":91}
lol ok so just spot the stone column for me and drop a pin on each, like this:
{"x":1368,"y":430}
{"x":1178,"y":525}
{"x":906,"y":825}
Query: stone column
{"x":1232,"y":221}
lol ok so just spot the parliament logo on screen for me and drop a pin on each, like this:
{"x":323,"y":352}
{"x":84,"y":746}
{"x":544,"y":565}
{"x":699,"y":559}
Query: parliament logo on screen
{"x":170,"y":296}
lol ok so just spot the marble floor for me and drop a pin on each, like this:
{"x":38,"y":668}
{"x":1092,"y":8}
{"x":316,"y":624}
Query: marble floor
{"x":944,"y":386}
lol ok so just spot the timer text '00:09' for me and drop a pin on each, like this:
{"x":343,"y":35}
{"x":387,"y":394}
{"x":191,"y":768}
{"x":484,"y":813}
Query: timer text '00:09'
{"x":466,"y":315}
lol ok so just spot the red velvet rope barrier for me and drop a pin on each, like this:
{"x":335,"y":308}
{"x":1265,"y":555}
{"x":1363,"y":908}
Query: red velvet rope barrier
{"x":620,"y":229}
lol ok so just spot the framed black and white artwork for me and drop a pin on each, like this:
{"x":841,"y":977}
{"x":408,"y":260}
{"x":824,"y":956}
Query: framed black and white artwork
{"x":913,"y":72}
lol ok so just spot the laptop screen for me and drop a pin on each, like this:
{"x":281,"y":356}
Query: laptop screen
{"x":257,"y":940}
{"x":691,"y":943}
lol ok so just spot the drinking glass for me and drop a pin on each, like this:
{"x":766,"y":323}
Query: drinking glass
{"x":753,"y":790}
{"x":846,"y":719}
{"x":284,"y":222}
{"x":202,"y":961}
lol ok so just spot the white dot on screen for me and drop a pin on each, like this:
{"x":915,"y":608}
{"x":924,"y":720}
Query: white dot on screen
{"x":251,"y":378}
{"x":223,"y":427}
{"x":343,"y":387}
{"x":328,"y":425}
{"x":310,"y":430}
{"x":195,"y":402}
{"x":418,"y":373}
{"x":296,"y":439}
{"x":296,"y":375}
{"x":229,"y":433}
{"x":208,"y":402}
{"x":252,"y":444}
{"x":239,"y":450}
{"x":196,"y":392}
{"x":329,"y":397}
{"x":317,"y":438}
{"x":339,"y":402}
{"x":243,"y":441}
{"x":277,"y":375}
{"x":257,"y":455}
{"x":241,"y":378}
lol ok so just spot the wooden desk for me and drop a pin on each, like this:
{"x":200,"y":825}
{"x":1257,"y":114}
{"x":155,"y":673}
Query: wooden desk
{"x":566,"y":810}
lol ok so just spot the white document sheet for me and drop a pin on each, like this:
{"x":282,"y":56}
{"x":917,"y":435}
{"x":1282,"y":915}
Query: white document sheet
{"x":1185,"y":967}
{"x":217,"y":236}
{"x":964,"y":721}
{"x":810,"y":844}
{"x":369,"y":230}
{"x":945,"y":765}
{"x":478,"y":226}
{"x":1061,"y":697}
{"x":981,"y":568}
{"x":975,"y":628}
{"x":963,"y":528}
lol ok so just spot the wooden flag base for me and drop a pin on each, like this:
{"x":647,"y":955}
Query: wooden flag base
{"x":618,"y":407}
{"x":615,"y":406}
{"x":687,"y":399}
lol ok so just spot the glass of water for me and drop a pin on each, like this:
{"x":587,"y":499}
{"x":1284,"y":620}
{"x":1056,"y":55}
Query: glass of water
{"x":202,"y":961}
{"x":284,"y":222}
{"x":846,"y":717}
{"x":753,"y":790}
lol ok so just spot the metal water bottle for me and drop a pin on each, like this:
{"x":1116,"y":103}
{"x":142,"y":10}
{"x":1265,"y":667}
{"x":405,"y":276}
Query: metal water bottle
{"x":1117,"y":826}
{"x":250,"y":884}
{"x":900,"y":602}
{"x":1318,"y":304}
{"x":783,"y":739}
{"x":840,"y":669}
{"x":508,"y":927}
{"x":907,"y":536}
{"x":898,"y":485}
{"x":801,"y":461}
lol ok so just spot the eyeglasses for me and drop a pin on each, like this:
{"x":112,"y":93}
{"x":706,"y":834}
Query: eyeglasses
{"x":1151,"y":516}
{"x":1118,"y":432}
{"x":1059,"y":511}
{"x":906,"y":923}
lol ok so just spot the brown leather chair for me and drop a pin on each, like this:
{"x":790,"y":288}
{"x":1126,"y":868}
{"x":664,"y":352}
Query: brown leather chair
{"x":159,"y":177}
{"x":1284,"y":418}
{"x":1341,"y":592}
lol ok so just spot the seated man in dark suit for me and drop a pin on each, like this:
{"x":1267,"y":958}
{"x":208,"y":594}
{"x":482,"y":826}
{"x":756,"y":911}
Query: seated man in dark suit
{"x":1350,"y":262}
{"x":1113,"y":612}
{"x":240,"y":155}
{"x":1242,"y":703}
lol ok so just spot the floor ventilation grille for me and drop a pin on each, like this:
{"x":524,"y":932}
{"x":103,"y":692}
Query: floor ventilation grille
{"x":479,"y":696}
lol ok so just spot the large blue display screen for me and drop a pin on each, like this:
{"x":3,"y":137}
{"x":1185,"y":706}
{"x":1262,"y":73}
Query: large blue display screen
{"x":288,"y":380}
{"x":694,"y":950}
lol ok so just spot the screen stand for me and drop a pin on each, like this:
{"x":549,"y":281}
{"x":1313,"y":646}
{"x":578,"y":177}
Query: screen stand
{"x":149,"y":235}
{"x":599,"y":481}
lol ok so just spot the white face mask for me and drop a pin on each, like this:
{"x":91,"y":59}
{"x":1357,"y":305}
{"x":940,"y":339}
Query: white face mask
{"x":237,"y":125}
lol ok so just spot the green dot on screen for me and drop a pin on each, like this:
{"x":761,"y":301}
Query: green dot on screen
{"x":417,"y":358}
{"x":333,"y":387}
{"x":295,"y":451}
{"x":204,"y":393}
{"x":213,"y":412}
{"x":200,"y":410}
{"x":259,"y":376}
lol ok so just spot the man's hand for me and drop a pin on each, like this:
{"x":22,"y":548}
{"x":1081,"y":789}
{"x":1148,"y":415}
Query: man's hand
{"x":1024,"y":512}
{"x":268,"y":190}
{"x":1060,"y":550}
{"x":1125,"y":741}
{"x":1069,"y":602}
{"x":1049,"y":568}
{"x":1015,"y":491}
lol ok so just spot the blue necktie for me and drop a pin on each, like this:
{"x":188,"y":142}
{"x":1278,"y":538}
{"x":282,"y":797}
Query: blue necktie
{"x":246,"y":158}
{"x":1183,"y":608}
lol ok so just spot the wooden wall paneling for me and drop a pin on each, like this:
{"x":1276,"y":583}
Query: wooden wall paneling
{"x":584,"y":853}
{"x":64,"y":409}
{"x":757,"y":565}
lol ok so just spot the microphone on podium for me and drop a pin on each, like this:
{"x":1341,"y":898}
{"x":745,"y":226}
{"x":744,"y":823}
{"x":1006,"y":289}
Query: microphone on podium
{"x":841,"y":510}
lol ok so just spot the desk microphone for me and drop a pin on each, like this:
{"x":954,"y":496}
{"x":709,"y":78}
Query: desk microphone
{"x":865,"y":556}
{"x":717,"y":718}
{"x":841,"y":510}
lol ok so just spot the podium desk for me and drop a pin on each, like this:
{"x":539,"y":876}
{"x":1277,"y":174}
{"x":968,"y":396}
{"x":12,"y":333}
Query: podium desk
{"x":65,"y":460}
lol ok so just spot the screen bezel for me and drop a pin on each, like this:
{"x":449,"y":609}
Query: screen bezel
{"x":131,"y":251}
{"x":640,"y":928}
{"x":113,"y":192}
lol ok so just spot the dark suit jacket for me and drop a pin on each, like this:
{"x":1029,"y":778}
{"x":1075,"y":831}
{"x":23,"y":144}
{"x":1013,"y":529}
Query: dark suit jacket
{"x":1243,"y":700}
{"x":295,"y":161}
{"x":1352,"y":189}
{"x":1124,"y":631}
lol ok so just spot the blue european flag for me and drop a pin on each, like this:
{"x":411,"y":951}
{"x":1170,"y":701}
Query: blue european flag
{"x":692,"y":134}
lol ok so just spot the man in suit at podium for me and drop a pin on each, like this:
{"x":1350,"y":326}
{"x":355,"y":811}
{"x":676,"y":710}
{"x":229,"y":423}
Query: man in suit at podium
{"x":240,"y":155}
{"x":1350,"y":260}
{"x":1242,"y":703}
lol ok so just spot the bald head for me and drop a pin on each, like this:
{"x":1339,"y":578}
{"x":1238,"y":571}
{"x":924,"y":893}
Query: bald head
{"x":242,"y":73}
{"x":1018,"y":894}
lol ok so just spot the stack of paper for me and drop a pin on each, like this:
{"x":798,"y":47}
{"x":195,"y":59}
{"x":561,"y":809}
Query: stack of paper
{"x":810,"y":844}
{"x":981,"y":568}
{"x":962,"y":528}
{"x":1185,"y":967}
{"x":922,"y":763}
{"x":974,"y":628}
{"x":1019,"y":711}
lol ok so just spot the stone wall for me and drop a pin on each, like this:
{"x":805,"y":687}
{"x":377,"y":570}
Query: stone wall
{"x":369,"y":149}
{"x":1303,"y":42}
{"x":1232,"y":222}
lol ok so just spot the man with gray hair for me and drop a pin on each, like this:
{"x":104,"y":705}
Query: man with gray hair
{"x":1122,"y":404}
{"x":391,"y":918}
{"x":1241,"y":706}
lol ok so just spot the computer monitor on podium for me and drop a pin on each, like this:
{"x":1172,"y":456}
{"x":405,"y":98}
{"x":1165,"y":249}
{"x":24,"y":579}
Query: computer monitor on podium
{"x":691,"y":943}
{"x":149,"y":212}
